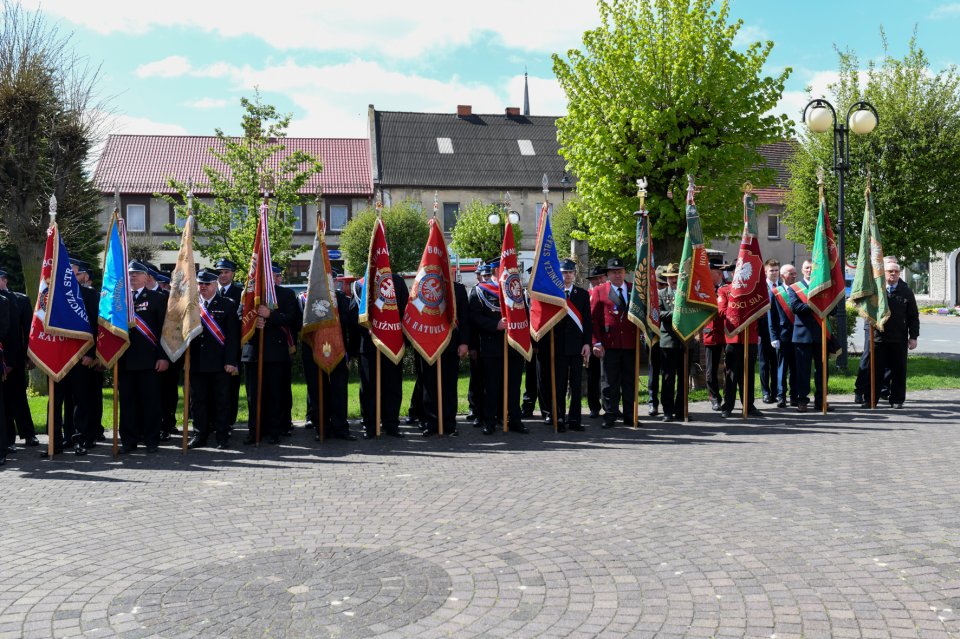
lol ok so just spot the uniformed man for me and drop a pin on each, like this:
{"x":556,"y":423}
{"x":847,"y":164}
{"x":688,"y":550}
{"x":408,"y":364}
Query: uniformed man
{"x":807,"y":340}
{"x":214,"y":357}
{"x":279,"y":327}
{"x":457,"y":349}
{"x":475,"y":391}
{"x":572,"y":337}
{"x":5,"y":319}
{"x":598,"y":275}
{"x":226,"y":270}
{"x":781,"y":338}
{"x":653,"y":362}
{"x":714,"y":340}
{"x":733,"y":359}
{"x":138,"y":381}
{"x":767,"y":354}
{"x":95,"y":430}
{"x":170,"y":378}
{"x":16,"y":408}
{"x":671,"y":350}
{"x":614,"y":342}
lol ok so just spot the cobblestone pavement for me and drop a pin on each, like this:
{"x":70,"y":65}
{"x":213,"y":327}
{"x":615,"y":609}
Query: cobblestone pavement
{"x":788,"y":526}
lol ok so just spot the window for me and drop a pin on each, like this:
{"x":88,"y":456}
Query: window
{"x":137,"y":218}
{"x":298,"y":211}
{"x":338,"y":213}
{"x":451,"y":211}
{"x":526,"y":147}
{"x":773,"y":226}
{"x":445,"y":145}
{"x":178,"y":218}
{"x":237,"y":214}
{"x":539,"y":205}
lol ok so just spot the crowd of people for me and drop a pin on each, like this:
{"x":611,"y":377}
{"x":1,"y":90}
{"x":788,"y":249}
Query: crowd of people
{"x":596,"y":336}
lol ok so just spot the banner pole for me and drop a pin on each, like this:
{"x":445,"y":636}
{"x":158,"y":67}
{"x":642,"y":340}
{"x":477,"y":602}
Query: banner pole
{"x":320,"y":425}
{"x":186,"y":400}
{"x":116,"y":435}
{"x":686,"y":382}
{"x":553,"y":384}
{"x":377,"y":416}
{"x":823,"y":359}
{"x":505,"y":375}
{"x":439,"y":398}
{"x":636,"y":382}
{"x":873,"y":373}
{"x":745,"y":399}
{"x":50,"y":429}
{"x":259,"y":384}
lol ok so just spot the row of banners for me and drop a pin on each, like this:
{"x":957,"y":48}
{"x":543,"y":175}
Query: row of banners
{"x":60,"y":336}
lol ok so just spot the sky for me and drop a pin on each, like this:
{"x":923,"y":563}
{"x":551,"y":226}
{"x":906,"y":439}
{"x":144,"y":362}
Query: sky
{"x":181,"y":66}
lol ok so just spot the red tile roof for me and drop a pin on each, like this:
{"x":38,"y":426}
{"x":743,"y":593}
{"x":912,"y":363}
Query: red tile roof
{"x":142,"y":163}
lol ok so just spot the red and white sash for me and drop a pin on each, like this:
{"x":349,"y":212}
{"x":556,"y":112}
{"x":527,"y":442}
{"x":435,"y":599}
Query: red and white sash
{"x":145,"y":330}
{"x":211,"y":325}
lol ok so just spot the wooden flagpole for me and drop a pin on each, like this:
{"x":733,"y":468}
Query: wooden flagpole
{"x":636,"y":380}
{"x":378,"y":394}
{"x":116,"y":434}
{"x":320,"y":425}
{"x":553,"y":383}
{"x":50,"y":428}
{"x":439,"y":398}
{"x":186,"y":400}
{"x":259,"y":383}
{"x":745,"y":399}
{"x":823,"y":360}
{"x":873,"y":372}
{"x":505,"y":375}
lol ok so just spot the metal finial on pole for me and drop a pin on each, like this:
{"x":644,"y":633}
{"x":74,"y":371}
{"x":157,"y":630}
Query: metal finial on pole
{"x":53,"y":208}
{"x":747,"y":187}
{"x":436,"y":204}
{"x":820,"y":177}
{"x":379,"y":204}
{"x":642,"y":195}
{"x":189,"y":196}
{"x":546,"y":184}
{"x":116,"y":199}
{"x":691,"y":188}
{"x":869,"y":185}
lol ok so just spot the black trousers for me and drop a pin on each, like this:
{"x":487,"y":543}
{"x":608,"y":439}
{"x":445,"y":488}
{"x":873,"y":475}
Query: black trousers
{"x":16,"y":408}
{"x":234,"y":398}
{"x":391,"y":391}
{"x":334,"y":395}
{"x":531,"y":383}
{"x":713,"y":355}
{"x":541,"y":360}
{"x":4,"y":441}
{"x":767,"y":358}
{"x":569,"y":372}
{"x":475,"y":390}
{"x":671,"y":395}
{"x":493,"y":391}
{"x":891,"y":375}
{"x":170,"y":395}
{"x":862,"y":386}
{"x":619,"y":384}
{"x":73,"y":406}
{"x":653,"y":375}
{"x":593,"y":385}
{"x":809,"y":356}
{"x":139,"y":407}
{"x":787,"y":372}
{"x":209,"y":401}
{"x":273,"y":407}
{"x":449,"y":367}
{"x":416,"y":410}
{"x":733,"y":375}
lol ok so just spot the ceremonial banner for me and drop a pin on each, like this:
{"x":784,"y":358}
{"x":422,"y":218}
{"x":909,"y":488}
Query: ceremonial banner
{"x":259,"y":288}
{"x":644,"y":307}
{"x":512,"y":306}
{"x":115,"y":313}
{"x":431,"y":312}
{"x":548,"y":301}
{"x":696,"y":301}
{"x":749,"y":298}
{"x":827,"y":287}
{"x":60,"y":329}
{"x":182,"y":322}
{"x":869,"y":290}
{"x":321,"y":316}
{"x":378,"y":298}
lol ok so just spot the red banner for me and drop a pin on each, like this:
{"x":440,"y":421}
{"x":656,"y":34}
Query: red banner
{"x":378,"y":304}
{"x":512,"y":305}
{"x":431,"y":312}
{"x":748,"y":298}
{"x":259,"y":287}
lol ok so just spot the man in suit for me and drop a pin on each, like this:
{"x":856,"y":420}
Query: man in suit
{"x":807,"y":340}
{"x":170,"y":378}
{"x":214,"y":357}
{"x":226,"y":271}
{"x":671,"y":350}
{"x":767,"y":354}
{"x":94,"y":430}
{"x":598,"y":275}
{"x":781,"y":337}
{"x":733,"y":359}
{"x":16,"y":408}
{"x":280,"y":327}
{"x":614,"y":342}
{"x":899,"y":334}
{"x":572,"y":337}
{"x":457,"y":349}
{"x":138,"y":382}
{"x":475,"y":391}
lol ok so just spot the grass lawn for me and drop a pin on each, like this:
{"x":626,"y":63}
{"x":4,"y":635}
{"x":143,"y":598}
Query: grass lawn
{"x":923,"y":373}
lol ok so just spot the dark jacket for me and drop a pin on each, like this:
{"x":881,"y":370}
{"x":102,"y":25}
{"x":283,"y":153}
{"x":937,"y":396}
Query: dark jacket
{"x":668,"y":336}
{"x":17,"y":334}
{"x":781,"y":326}
{"x":484,"y":317}
{"x":207,"y":355}
{"x":403,"y":295}
{"x":5,"y":321}
{"x":904,"y":321}
{"x":462,"y":333}
{"x":151,"y":307}
{"x":281,"y":330}
{"x":806,"y":328}
{"x":234,"y":293}
{"x":91,"y":302}
{"x":568,"y":339}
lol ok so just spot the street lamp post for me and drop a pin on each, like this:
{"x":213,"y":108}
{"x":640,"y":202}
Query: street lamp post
{"x":564,"y":185}
{"x":862,"y":118}
{"x":500,"y":219}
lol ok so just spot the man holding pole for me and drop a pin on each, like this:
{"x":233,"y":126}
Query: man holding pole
{"x":671,"y":350}
{"x":614,"y":341}
{"x":598,"y":275}
{"x":781,"y":336}
{"x":14,"y":340}
{"x":571,"y":341}
{"x":899,"y":334}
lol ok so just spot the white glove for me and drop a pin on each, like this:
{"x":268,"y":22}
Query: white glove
{"x":775,"y":343}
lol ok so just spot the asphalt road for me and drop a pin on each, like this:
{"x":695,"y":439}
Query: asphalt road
{"x":937,"y":335}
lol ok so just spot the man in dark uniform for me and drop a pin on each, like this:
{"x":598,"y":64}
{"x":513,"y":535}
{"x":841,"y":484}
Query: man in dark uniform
{"x":170,"y":378}
{"x":5,"y":318}
{"x":457,"y":349}
{"x":767,"y":354}
{"x":489,"y":327}
{"x":214,"y":357}
{"x":671,"y":350}
{"x":138,"y":382}
{"x":83,"y":387}
{"x":598,"y":275}
{"x":572,"y":337}
{"x":226,"y":270}
{"x":95,"y":430}
{"x":334,"y":385}
{"x":781,"y":338}
{"x":475,"y":390}
{"x":614,"y":342}
{"x":16,"y":408}
{"x":807,"y":339}
{"x":279,"y":325}
{"x":713,"y":338}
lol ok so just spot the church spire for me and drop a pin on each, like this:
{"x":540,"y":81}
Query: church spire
{"x":526,"y":95}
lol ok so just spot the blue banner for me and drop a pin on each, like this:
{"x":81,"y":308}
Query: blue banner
{"x":65,"y":313}
{"x":114,"y":308}
{"x":546,"y":280}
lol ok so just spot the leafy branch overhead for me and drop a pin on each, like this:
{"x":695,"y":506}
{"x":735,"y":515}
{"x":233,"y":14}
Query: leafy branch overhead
{"x":226,"y":214}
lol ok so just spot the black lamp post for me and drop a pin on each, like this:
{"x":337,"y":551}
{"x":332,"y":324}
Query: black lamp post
{"x":862,"y":118}
{"x":500,"y":219}
{"x":564,"y":185}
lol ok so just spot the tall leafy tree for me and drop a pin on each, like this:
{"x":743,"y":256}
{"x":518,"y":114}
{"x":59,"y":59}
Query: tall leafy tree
{"x":226,"y":224}
{"x":48,"y":123}
{"x":407,"y":232}
{"x":474,"y":236}
{"x":912,"y":154}
{"x":660,"y":90}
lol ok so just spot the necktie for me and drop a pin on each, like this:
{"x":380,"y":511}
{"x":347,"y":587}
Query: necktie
{"x":890,"y":289}
{"x":623,"y":300}
{"x":568,"y":294}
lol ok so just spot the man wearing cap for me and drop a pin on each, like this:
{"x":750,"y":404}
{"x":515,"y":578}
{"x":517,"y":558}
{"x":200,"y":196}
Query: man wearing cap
{"x":138,"y":366}
{"x":671,"y":350}
{"x":598,"y":275}
{"x":781,"y":337}
{"x":214,"y":356}
{"x":614,"y":341}
{"x":228,"y":288}
{"x":713,"y":337}
{"x":280,"y":328}
{"x":572,"y":337}
{"x":14,"y":341}
{"x":475,"y":393}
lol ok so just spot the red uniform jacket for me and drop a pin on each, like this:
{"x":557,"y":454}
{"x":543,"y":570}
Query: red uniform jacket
{"x":609,"y":319}
{"x":722,"y":294}
{"x":713,"y":332}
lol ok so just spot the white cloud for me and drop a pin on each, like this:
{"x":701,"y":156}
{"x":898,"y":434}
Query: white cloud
{"x":951,"y":10}
{"x":172,"y":66}
{"x":207,"y":103}
{"x":399,"y":29}
{"x":748,"y":34}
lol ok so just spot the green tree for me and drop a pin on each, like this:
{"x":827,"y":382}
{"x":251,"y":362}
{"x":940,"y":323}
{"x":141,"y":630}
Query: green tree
{"x":912,"y":154}
{"x":227,"y":225}
{"x":474,"y":236}
{"x":407,"y":232}
{"x":47,"y":124}
{"x":660,"y":91}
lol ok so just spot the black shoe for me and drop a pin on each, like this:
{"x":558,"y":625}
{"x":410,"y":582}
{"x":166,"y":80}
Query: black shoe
{"x":223,"y":446}
{"x":794,"y":403}
{"x":126,"y":449}
{"x":344,"y":435}
{"x":859,"y":399}
{"x":897,"y":406}
{"x":309,"y":425}
{"x":768,"y":400}
{"x":426,"y":432}
{"x":753,"y":411}
{"x":274,"y":439}
{"x":453,"y":433}
{"x":802,"y":407}
{"x":527,"y":413}
{"x":577,"y":427}
{"x":653,"y":412}
{"x":885,"y":395}
{"x":488,"y":429}
{"x":594,"y":414}
{"x":667,"y":417}
{"x":607,"y":424}
{"x":32,"y":441}
{"x":782,"y":403}
{"x":471,"y":417}
{"x":714,"y":404}
{"x":410,"y":420}
{"x":79,"y":450}
{"x":153,"y":448}
{"x":250,"y":440}
{"x":561,"y":428}
{"x":11,"y":449}
{"x":726,"y":413}
{"x":197,"y":442}
{"x":100,"y":438}
{"x":369,"y":435}
{"x":519,"y":428}
{"x":287,"y":433}
{"x":164,"y":436}
{"x":392,"y":432}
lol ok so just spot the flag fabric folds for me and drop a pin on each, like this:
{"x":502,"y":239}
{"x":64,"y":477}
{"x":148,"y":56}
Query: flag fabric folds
{"x":827,"y":287}
{"x":431,"y":312}
{"x":869,"y":291}
{"x":548,"y":301}
{"x":60,"y":329}
{"x":749,"y":298}
{"x":696,"y":301}
{"x":182,"y":322}
{"x":513,"y":308}
{"x":644,"y":307}
{"x":321,"y":316}
{"x":259,"y":288}
{"x":378,"y":298}
{"x":115,"y":313}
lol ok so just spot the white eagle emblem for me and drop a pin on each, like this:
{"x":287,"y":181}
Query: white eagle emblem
{"x":320,"y":308}
{"x":743,"y":274}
